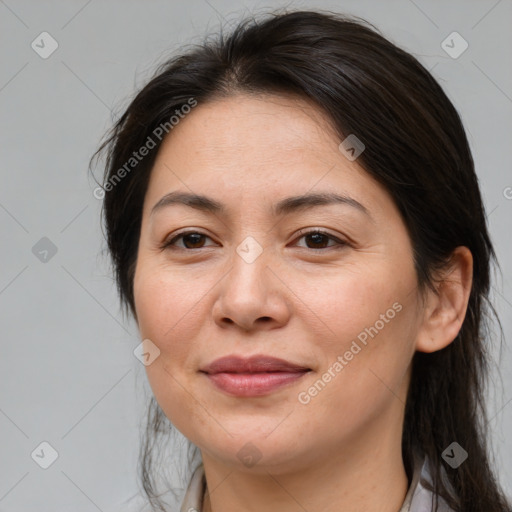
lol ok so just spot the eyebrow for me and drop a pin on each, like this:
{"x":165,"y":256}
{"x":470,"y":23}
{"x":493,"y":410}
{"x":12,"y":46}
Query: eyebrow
{"x":284,"y":207}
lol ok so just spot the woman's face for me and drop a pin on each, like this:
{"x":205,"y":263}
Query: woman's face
{"x":250,"y":281}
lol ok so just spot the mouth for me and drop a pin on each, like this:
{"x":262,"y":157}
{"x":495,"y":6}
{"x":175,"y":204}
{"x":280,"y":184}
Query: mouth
{"x":254,"y":376}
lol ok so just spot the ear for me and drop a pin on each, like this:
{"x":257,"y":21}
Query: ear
{"x":445,"y":309}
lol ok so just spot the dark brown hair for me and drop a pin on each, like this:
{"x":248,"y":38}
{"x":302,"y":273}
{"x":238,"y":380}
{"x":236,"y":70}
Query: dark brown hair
{"x":416,"y":147}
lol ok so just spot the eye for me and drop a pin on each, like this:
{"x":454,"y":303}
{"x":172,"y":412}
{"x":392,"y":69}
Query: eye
{"x":191,"y":240}
{"x":195,"y":240}
{"x":319,"y":238}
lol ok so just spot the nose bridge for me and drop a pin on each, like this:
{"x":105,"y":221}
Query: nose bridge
{"x":250,"y":290}
{"x":248,"y":279}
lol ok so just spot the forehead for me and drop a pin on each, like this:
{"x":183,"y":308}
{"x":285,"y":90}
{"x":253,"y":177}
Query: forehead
{"x":263,"y":126}
{"x":243,"y":146}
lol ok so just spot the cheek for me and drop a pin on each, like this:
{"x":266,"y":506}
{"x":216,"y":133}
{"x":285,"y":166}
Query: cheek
{"x":167,"y":312}
{"x":167,"y":315}
{"x":167,"y":307}
{"x":365,"y":335}
{"x":347,"y":303}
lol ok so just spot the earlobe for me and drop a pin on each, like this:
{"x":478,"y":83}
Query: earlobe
{"x":445,"y":310}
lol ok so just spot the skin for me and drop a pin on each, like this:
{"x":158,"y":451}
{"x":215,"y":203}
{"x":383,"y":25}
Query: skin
{"x":303,"y":299}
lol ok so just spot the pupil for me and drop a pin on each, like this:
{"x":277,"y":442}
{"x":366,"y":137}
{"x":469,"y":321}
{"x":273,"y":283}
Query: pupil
{"x":195,"y":238}
{"x":317,"y":238}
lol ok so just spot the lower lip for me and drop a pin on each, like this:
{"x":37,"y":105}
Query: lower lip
{"x":253,"y":384}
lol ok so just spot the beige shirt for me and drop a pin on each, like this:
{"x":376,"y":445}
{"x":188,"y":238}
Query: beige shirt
{"x":417,"y":499}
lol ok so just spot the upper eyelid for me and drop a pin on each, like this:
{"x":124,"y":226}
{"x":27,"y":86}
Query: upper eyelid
{"x":307,"y":231}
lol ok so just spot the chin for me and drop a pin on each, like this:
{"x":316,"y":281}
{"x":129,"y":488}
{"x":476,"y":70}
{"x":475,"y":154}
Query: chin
{"x":257,"y":452}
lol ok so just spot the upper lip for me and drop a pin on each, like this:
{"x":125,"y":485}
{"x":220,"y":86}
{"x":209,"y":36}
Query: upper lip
{"x":253,"y":364}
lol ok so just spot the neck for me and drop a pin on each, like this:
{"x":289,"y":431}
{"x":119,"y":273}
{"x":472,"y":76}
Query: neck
{"x":367,"y":474}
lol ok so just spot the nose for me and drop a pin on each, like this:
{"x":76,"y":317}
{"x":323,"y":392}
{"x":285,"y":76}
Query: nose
{"x":252,"y":296}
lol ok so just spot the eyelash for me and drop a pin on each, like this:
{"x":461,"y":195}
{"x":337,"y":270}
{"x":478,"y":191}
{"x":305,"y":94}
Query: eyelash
{"x":169,"y":244}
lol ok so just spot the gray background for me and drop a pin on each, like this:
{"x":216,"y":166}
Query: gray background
{"x":69,"y":376}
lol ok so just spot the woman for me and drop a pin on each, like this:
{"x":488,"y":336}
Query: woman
{"x":296,"y":225}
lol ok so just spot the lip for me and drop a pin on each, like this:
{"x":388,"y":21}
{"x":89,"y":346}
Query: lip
{"x":254,"y":376}
{"x":253,"y":364}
